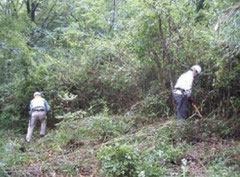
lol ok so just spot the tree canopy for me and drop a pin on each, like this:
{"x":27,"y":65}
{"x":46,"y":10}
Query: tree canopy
{"x":117,"y":56}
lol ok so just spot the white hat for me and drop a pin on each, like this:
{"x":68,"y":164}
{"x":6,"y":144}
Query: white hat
{"x":37,"y":93}
{"x":196,"y":68}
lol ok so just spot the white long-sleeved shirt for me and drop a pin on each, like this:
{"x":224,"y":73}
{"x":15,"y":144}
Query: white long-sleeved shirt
{"x":185,"y":81}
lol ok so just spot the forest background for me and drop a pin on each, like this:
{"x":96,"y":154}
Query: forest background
{"x":110,"y":65}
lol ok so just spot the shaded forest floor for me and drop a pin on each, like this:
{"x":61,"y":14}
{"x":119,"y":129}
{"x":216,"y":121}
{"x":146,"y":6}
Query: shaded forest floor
{"x":163,"y":147}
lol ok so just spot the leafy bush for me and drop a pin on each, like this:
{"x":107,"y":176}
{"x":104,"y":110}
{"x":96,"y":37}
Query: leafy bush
{"x":153,"y":163}
{"x":119,"y":160}
{"x":106,"y":126}
{"x":155,"y":105}
{"x":9,"y":116}
{"x":77,"y":126}
{"x":69,"y":126}
{"x":225,"y":162}
{"x":11,"y":151}
{"x":195,"y":130}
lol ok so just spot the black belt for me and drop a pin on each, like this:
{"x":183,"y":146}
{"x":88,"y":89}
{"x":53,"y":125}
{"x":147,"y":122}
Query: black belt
{"x":182,"y":90}
{"x":38,"y":110}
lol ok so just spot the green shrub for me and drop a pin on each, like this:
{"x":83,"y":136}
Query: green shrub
{"x":11,"y":152}
{"x":153,"y":164}
{"x":205,"y":128}
{"x":119,"y":160}
{"x":69,"y":126}
{"x":219,"y":168}
{"x":9,"y":117}
{"x":155,"y":105}
{"x":106,"y":126}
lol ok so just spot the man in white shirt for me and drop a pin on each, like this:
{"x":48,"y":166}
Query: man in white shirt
{"x":183,"y":89}
{"x":38,"y":111}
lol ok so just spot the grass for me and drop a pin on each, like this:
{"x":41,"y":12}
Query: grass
{"x":163,"y":149}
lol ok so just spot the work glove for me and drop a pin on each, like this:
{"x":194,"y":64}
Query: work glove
{"x":190,"y":99}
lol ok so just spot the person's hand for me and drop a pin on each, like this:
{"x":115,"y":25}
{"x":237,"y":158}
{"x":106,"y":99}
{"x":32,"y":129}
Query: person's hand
{"x":190,"y":99}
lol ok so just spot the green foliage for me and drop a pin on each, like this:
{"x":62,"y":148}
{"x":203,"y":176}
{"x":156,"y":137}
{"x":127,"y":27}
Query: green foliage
{"x":93,"y":59}
{"x":155,"y":106}
{"x":14,"y":54}
{"x":10,"y":152}
{"x":72,"y":116}
{"x":111,"y":54}
{"x":225,"y":162}
{"x":106,"y":126}
{"x":156,"y":155}
{"x":210,"y":127}
{"x":68,"y":128}
{"x":119,"y":160}
{"x":78,"y":126}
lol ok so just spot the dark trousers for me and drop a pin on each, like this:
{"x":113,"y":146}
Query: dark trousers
{"x":181,"y":105}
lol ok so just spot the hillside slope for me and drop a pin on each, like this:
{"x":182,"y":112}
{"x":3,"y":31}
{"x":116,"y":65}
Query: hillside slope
{"x":122,"y":146}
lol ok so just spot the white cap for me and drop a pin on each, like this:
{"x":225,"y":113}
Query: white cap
{"x":196,"y":68}
{"x":37,"y":93}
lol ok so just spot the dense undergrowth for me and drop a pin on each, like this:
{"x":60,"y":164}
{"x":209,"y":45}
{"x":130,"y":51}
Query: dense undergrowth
{"x":105,"y":145}
{"x":106,"y":68}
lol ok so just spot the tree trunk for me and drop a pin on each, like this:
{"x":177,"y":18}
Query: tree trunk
{"x":113,"y":16}
{"x":31,"y":9}
{"x":165,"y":51}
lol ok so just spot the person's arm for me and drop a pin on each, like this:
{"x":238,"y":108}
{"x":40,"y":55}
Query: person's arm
{"x":30,"y":108}
{"x":47,"y":107}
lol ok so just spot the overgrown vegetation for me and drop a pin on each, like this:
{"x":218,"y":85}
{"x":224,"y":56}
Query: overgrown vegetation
{"x":107,"y":68}
{"x":157,"y":149}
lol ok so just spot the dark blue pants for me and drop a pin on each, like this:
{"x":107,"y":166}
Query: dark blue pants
{"x":181,"y":105}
